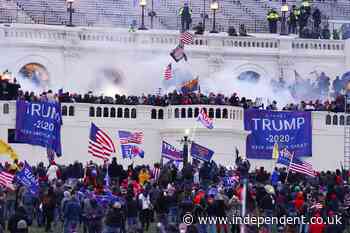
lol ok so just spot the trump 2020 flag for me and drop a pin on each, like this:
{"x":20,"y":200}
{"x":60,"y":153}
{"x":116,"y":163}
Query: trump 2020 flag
{"x":201,"y":153}
{"x":27,"y":179}
{"x":205,"y":120}
{"x":39,"y":124}
{"x":131,"y":151}
{"x":171,"y":152}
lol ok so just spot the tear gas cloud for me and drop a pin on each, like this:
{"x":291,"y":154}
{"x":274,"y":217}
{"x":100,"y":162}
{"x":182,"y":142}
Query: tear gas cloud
{"x":137,"y":73}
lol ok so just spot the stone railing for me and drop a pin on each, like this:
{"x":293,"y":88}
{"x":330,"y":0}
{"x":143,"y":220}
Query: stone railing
{"x":81,"y":35}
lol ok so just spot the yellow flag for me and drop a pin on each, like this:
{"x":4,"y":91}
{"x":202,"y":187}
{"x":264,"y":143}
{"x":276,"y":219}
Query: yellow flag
{"x":275,"y":151}
{"x":7,"y":149}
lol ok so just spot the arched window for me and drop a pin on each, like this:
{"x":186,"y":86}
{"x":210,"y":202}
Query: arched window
{"x":183,"y":112}
{"x":154,"y":114}
{"x":224,"y":113}
{"x":112,"y":112}
{"x":335,"y":120}
{"x":328,"y":119}
{"x":342,"y":120}
{"x":64,"y":110}
{"x":119,"y":112}
{"x":71,"y":111}
{"x":348,"y":120}
{"x":218,"y":113}
{"x":177,"y":113}
{"x":189,"y":113}
{"x":92,"y":112}
{"x":133,"y":113}
{"x":98,"y":112}
{"x":161,"y":114}
{"x":126,"y":113}
{"x":211,"y":113}
{"x":6,"y":109}
{"x":196,"y":112}
{"x":105,"y":112}
{"x":205,"y":110}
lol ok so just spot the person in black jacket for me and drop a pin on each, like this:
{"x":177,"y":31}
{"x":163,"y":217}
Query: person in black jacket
{"x":115,"y":171}
{"x":114,"y":219}
{"x":131,"y":212}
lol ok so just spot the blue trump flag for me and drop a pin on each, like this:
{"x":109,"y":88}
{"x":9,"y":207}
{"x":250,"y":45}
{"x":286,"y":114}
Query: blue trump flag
{"x":171,"y":152}
{"x":39,"y":123}
{"x":131,"y":151}
{"x":291,"y":130}
{"x":201,"y":153}
{"x":27,"y":179}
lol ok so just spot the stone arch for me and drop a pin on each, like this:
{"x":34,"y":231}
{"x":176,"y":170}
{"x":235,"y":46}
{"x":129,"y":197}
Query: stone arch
{"x":36,"y":59}
{"x":250,"y":67}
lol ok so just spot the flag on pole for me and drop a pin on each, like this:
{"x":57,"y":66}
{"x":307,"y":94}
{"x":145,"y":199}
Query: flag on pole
{"x":230,"y":181}
{"x":127,"y":137}
{"x":275,"y":151}
{"x":5,"y":148}
{"x":6,"y":180}
{"x":171,"y":152}
{"x":168,"y":72}
{"x":132,"y":151}
{"x":186,"y":38}
{"x":100,"y":144}
{"x":201,"y":153}
{"x":107,"y":180}
{"x":205,"y":120}
{"x":178,"y":53}
{"x":190,"y":86}
{"x":297,"y":165}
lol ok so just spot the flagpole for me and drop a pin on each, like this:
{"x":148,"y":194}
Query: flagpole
{"x":291,"y":159}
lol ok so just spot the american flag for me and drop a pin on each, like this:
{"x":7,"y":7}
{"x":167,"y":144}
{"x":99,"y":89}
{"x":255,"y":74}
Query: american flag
{"x":168,"y":72}
{"x":317,"y":206}
{"x":186,"y":38}
{"x":127,"y":137}
{"x":229,"y":181}
{"x":156,"y":173}
{"x":302,"y":167}
{"x":100,"y":144}
{"x":6,"y":179}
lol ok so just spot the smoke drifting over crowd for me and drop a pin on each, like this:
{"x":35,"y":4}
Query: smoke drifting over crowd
{"x":135,"y":73}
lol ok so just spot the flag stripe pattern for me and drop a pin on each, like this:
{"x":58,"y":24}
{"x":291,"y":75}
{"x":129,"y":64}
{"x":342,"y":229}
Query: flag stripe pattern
{"x":186,"y":38}
{"x":6,"y":179}
{"x":302,"y":167}
{"x":129,"y":137}
{"x":229,"y":181}
{"x":100,"y":144}
{"x":168,"y":72}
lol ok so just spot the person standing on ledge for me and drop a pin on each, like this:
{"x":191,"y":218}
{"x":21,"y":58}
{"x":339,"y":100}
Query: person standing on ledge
{"x":186,"y":17}
{"x":273,"y":17}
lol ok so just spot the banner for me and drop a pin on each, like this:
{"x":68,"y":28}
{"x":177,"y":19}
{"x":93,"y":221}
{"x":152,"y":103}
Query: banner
{"x":201,"y":153}
{"x":39,"y":124}
{"x":171,"y":152}
{"x":27,"y":179}
{"x":290,"y":130}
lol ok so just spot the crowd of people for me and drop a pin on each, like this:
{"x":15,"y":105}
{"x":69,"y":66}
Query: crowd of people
{"x":79,"y":198}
